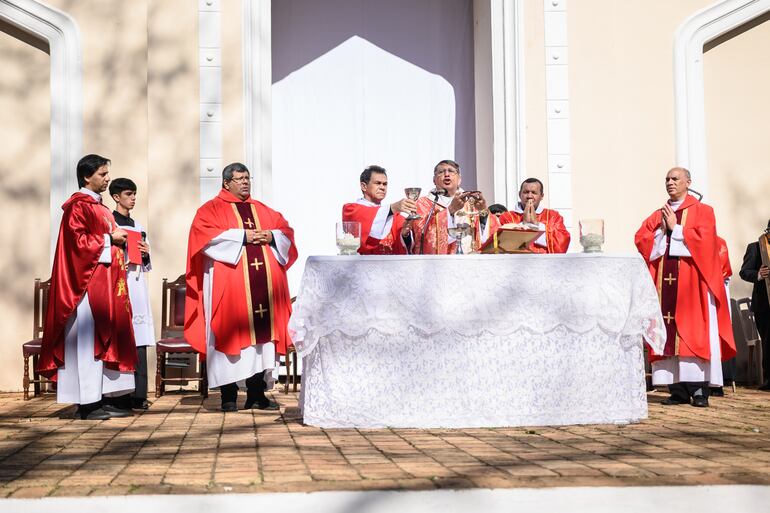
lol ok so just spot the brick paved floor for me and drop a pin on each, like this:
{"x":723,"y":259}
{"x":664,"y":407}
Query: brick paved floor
{"x":183,"y":445}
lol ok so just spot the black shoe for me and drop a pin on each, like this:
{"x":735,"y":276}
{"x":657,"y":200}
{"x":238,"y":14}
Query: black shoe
{"x":115,"y":411}
{"x":765,"y":387}
{"x":700,"y":401}
{"x":229,"y":407}
{"x":717,"y":392}
{"x":140,"y":404}
{"x":674,"y":400}
{"x":103,"y":414}
{"x":267,"y":404}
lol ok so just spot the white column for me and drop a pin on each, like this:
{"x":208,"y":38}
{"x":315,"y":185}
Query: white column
{"x":210,"y":68}
{"x":257,"y":95}
{"x":499,"y":76}
{"x":559,"y":192}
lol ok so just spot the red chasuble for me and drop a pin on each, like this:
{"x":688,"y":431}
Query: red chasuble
{"x":556,"y":234}
{"x":250,"y":301}
{"x":433,"y":234}
{"x":391,"y":244}
{"x":77,"y":271}
{"x":724,"y":259}
{"x":689,"y":280}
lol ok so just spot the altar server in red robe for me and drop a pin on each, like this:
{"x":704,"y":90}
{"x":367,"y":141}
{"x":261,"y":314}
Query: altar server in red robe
{"x":528,"y":210}
{"x":384,"y":230}
{"x":237,"y":304}
{"x":680,"y":245}
{"x":446,"y":207}
{"x":88,"y":342}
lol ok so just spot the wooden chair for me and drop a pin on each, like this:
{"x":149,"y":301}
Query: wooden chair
{"x":32,"y":348}
{"x":172,"y":339}
{"x":750,"y":334}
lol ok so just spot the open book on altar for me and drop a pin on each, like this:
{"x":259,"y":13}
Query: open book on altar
{"x":511,"y":240}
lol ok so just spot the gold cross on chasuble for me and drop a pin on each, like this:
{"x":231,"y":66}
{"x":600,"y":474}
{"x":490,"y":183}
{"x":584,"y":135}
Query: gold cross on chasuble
{"x":256,"y":264}
{"x":668,"y":317}
{"x":249,"y":223}
{"x":670,"y":279}
{"x":261,"y":311}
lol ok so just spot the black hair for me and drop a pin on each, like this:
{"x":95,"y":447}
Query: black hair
{"x":119,"y":185}
{"x":448,"y":162}
{"x":366,"y":175}
{"x":533,"y":180}
{"x":497,"y":208}
{"x":231,"y":169}
{"x":88,"y":165}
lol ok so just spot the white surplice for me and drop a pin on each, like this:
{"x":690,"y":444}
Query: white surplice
{"x":223,"y":369}
{"x":84,"y":379}
{"x":144,"y":329}
{"x":678,"y":369}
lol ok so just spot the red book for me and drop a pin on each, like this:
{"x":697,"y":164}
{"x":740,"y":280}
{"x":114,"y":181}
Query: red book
{"x":134,"y":256}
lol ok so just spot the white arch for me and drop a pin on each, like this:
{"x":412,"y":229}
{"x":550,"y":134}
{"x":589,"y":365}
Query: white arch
{"x":697,"y":30}
{"x":61,"y":33}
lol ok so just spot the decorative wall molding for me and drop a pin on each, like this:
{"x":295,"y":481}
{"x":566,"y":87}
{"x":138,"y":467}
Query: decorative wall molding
{"x":690,"y":37}
{"x":210,"y":74}
{"x":559,"y":192}
{"x":257,"y":95}
{"x":61,"y":33}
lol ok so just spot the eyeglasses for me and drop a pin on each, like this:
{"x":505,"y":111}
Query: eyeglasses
{"x":444,"y":171}
{"x":243,"y":179}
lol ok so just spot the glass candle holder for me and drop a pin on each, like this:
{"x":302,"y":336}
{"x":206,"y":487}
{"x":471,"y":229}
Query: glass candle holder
{"x":348,"y":237}
{"x":592,"y":235}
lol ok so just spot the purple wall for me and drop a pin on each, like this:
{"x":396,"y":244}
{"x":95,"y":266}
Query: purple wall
{"x":436,"y":35}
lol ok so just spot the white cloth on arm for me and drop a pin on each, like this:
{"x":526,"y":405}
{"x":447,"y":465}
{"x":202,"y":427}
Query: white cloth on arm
{"x":223,"y":369}
{"x":84,"y":379}
{"x":383,"y":221}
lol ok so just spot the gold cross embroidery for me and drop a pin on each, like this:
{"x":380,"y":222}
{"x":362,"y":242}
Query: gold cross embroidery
{"x":261,"y":311}
{"x":668,"y":317}
{"x":249,"y":223}
{"x":670,"y":279}
{"x":256,"y":264}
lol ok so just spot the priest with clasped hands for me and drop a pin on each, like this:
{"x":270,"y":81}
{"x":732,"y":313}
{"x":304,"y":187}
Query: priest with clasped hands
{"x":680,"y":245}
{"x":530,"y":212}
{"x":446,"y":207}
{"x":237,"y":302}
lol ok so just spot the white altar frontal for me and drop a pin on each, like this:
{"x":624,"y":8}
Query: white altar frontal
{"x":474,"y":340}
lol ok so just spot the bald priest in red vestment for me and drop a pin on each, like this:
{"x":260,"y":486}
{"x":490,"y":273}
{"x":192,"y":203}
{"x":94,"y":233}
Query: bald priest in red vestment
{"x":528,"y":210}
{"x":237,"y":304}
{"x":88,"y":341}
{"x":384,"y":231}
{"x":680,"y":245}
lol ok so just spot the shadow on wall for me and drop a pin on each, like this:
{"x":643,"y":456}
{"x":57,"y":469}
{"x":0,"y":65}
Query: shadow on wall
{"x":413,"y":30}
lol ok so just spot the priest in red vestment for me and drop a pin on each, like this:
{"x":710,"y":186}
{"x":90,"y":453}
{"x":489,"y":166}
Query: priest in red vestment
{"x":384,"y":230}
{"x":447,"y":207}
{"x":88,"y":341}
{"x":528,"y":210}
{"x":680,"y":245}
{"x":237,"y":301}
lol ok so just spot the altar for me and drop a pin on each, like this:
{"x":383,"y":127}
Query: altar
{"x":475,"y":340}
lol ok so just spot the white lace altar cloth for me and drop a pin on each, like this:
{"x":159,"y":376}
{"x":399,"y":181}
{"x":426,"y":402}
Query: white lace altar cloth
{"x":474,"y":340}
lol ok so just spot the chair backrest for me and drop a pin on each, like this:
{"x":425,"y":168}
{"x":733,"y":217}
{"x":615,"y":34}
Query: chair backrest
{"x":747,"y":321}
{"x":40,"y":307}
{"x":172,"y":313}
